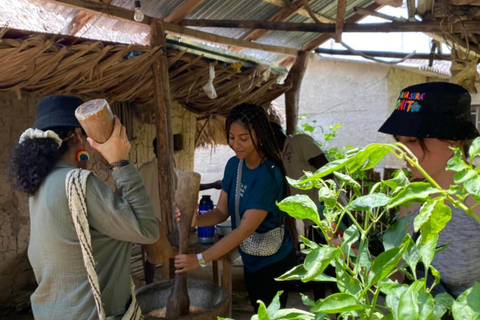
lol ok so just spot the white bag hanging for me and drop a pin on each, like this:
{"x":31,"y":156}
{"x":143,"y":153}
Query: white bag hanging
{"x":208,"y":88}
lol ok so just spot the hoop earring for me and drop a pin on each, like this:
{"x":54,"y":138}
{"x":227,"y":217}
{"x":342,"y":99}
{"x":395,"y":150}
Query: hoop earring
{"x":82,"y":155}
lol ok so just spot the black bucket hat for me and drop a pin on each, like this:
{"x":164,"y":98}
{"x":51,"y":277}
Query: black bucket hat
{"x":57,"y":111}
{"x":438,"y":110}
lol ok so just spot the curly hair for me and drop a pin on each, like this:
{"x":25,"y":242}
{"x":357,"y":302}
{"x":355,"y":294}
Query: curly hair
{"x":255,"y":118}
{"x":33,"y":159}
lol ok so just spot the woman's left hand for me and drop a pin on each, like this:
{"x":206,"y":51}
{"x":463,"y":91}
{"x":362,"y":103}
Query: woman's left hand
{"x":186,"y":262}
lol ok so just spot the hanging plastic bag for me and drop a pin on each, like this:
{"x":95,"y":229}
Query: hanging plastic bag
{"x":208,"y":88}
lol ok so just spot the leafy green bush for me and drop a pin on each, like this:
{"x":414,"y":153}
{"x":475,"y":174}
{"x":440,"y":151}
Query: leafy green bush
{"x":359,"y":276}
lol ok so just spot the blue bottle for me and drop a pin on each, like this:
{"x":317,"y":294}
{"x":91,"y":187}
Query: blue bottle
{"x":206,"y":234}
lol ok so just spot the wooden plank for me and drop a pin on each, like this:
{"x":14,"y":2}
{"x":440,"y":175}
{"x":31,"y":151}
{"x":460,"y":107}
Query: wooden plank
{"x":213,"y":38}
{"x":286,"y":12}
{"x":301,"y":11}
{"x":341,"y":12}
{"x":78,"y":22}
{"x":384,"y":54}
{"x":393,"y":3}
{"x":423,"y":26}
{"x":292,"y":96}
{"x":282,"y":15}
{"x":366,"y":12}
{"x":184,"y":10}
{"x":127,"y":16}
{"x":164,"y":128}
{"x":464,"y":2}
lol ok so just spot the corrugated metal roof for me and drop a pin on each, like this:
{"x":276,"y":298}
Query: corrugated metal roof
{"x":47,"y":17}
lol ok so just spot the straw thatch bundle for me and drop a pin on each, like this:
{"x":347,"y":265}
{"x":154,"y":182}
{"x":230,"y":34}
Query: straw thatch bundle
{"x":124,"y":73}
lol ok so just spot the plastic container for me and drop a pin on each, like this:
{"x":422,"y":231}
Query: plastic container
{"x":224,"y":228}
{"x":205,"y":234}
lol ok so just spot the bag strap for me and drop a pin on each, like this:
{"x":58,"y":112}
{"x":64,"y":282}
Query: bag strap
{"x":237,"y":192}
{"x":76,"y":185}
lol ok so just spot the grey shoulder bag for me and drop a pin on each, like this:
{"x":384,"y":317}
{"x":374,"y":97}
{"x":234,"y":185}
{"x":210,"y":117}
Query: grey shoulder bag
{"x":257,"y":244}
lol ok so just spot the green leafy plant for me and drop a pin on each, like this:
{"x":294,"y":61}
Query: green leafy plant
{"x":360,"y":277}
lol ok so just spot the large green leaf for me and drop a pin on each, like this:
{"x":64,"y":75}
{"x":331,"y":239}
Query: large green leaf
{"x":394,"y":235}
{"x":439,"y":218}
{"x":415,"y":303}
{"x":300,"y":206}
{"x":323,"y":171}
{"x":412,"y":253}
{"x":384,"y":264}
{"x":345,"y":282}
{"x":317,"y":260}
{"x":435,"y":274}
{"x":363,"y":256}
{"x":427,"y":251}
{"x":393,"y":295}
{"x":474,"y":149}
{"x":350,"y":236}
{"x":297,"y":273}
{"x":274,"y":305}
{"x":287,"y":314}
{"x":462,"y":176}
{"x":300,"y":184}
{"x":472,"y":185}
{"x":414,"y":192}
{"x":309,"y":243}
{"x":327,"y":196}
{"x":367,"y":157}
{"x":369,"y":202}
{"x":338,"y":302}
{"x":262,"y":311}
{"x":425,"y":213}
{"x":399,"y":180}
{"x":347,"y":180}
{"x":456,"y":163}
{"x":443,"y":303}
{"x":467,"y":305}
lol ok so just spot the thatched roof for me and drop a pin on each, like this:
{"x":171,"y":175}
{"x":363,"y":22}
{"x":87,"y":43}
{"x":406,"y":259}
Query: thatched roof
{"x":93,"y":69}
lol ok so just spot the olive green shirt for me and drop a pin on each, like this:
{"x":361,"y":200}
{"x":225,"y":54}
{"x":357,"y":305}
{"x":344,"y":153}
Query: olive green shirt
{"x":115,"y":222}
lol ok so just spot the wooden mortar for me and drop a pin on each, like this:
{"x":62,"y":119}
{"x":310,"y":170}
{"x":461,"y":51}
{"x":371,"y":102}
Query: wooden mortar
{"x":186,"y":197}
{"x":96,"y":119}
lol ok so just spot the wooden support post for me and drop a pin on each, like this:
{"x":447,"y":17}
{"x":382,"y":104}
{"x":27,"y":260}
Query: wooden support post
{"x":292,"y":96}
{"x":341,"y":12}
{"x":164,"y":128}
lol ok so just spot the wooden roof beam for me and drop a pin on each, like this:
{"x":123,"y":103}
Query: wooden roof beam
{"x":184,"y":10}
{"x":286,"y":12}
{"x":315,"y":43}
{"x":413,"y":26}
{"x":125,"y":15}
{"x":341,"y":12}
{"x":301,"y":11}
{"x":78,"y":22}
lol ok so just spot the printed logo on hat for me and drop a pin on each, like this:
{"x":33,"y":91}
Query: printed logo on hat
{"x":409,"y":101}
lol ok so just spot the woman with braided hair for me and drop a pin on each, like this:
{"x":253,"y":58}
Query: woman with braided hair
{"x":253,"y":181}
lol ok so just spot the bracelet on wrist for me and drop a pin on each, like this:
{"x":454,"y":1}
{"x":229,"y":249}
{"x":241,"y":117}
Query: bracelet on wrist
{"x":118,"y":164}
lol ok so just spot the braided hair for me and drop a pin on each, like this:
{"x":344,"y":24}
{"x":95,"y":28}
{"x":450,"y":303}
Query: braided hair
{"x":254,"y":118}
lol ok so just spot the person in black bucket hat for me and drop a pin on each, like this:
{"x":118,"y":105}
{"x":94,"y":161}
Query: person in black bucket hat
{"x":429,"y":119}
{"x":69,"y":206}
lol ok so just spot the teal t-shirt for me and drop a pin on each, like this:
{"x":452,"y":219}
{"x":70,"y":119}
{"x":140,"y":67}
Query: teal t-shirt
{"x":260,"y":189}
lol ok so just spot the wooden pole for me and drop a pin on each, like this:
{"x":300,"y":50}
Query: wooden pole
{"x":341,"y":12}
{"x":292,"y":96}
{"x":164,"y":127}
{"x":384,"y":54}
{"x":424,"y":26}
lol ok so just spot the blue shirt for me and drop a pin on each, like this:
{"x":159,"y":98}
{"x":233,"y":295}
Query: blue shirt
{"x":260,"y":189}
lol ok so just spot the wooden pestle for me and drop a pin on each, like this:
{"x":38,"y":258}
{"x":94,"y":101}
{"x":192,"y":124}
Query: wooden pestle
{"x":186,"y":197}
{"x":96,"y":119}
